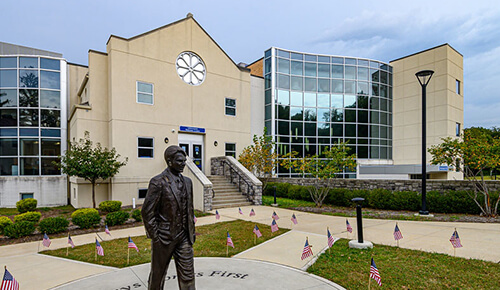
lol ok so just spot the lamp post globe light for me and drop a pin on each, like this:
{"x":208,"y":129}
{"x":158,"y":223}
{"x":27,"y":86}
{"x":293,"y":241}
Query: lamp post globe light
{"x":424,"y":76}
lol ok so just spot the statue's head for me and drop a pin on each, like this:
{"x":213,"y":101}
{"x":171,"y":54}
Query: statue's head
{"x":175,"y":157}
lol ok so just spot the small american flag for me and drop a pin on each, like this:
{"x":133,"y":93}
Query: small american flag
{"x":100,"y":250}
{"x":195,"y":219}
{"x":252,"y":212}
{"x":349,"y":228}
{"x":132,"y":245}
{"x":397,"y":233}
{"x":46,"y":240}
{"x":240,"y":211}
{"x":217,"y":215}
{"x":275,"y":216}
{"x":374,"y":274}
{"x":70,"y":241}
{"x":8,"y":281}
{"x":106,"y":230}
{"x":455,"y":240}
{"x":229,"y":240}
{"x":307,"y":252}
{"x":331,"y":240}
{"x":294,"y":219}
{"x":274,"y":226}
{"x":257,"y":232}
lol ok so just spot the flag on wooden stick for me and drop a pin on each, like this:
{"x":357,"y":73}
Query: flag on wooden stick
{"x":252,"y":212}
{"x":99,"y":249}
{"x":307,"y":251}
{"x":46,"y":241}
{"x":132,"y":245}
{"x":348,"y":225}
{"x":397,"y":233}
{"x":217,"y":215}
{"x":374,"y":274}
{"x":274,"y":226}
{"x":257,"y":232}
{"x":331,"y":240}
{"x":294,"y":219}
{"x":8,"y":281}
{"x":455,"y":240}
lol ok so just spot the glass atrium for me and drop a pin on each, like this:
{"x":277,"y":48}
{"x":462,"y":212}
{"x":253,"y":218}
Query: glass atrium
{"x":314,"y":101}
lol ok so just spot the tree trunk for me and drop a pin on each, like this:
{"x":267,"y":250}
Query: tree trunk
{"x":93,"y":194}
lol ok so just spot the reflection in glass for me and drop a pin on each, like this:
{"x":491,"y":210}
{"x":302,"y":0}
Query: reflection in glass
{"x":51,"y":147}
{"x":50,"y":118}
{"x":310,"y":69}
{"x":29,"y":166}
{"x":310,"y":129}
{"x":324,"y":115}
{"x":267,"y":115}
{"x":310,"y":114}
{"x":383,"y":91}
{"x":363,"y":131}
{"x":283,"y":97}
{"x":282,"y":53}
{"x":363,"y":102}
{"x":374,"y":131}
{"x":50,"y":99}
{"x":29,"y":147}
{"x":267,"y":81}
{"x":28,"y":78}
{"x":283,"y":128}
{"x":283,"y":81}
{"x":383,"y":77}
{"x":297,"y":83}
{"x":267,"y":96}
{"x":374,"y":117}
{"x":267,"y":65}
{"x":338,"y":71}
{"x":297,"y":129}
{"x":350,"y":116}
{"x":350,"y":87}
{"x":350,"y":72}
{"x":296,"y":99}
{"x":8,"y":62}
{"x":337,"y":86}
{"x":363,"y":88}
{"x":337,"y":101}
{"x":310,"y":85}
{"x":324,"y":100}
{"x":362,"y":73}
{"x":374,"y":103}
{"x":296,"y":113}
{"x":283,"y":66}
{"x":337,"y":115}
{"x":48,"y":167}
{"x":28,"y":117}
{"x":309,"y":100}
{"x":310,"y":149}
{"x":28,"y":62}
{"x":350,"y":130}
{"x":28,"y":98}
{"x":8,"y":78}
{"x":47,"y":63}
{"x":8,"y":98}
{"x":323,"y":129}
{"x":8,"y":132}
{"x":50,"y":80}
{"x":8,"y":118}
{"x":324,"y":85}
{"x":383,"y":104}
{"x":28,"y":132}
{"x":323,"y":70}
{"x":375,"y":75}
{"x":283,"y":112}
{"x":338,"y":130}
{"x":297,"y":68}
{"x":362,"y":116}
{"x":375,"y":90}
{"x":362,"y":152}
{"x":350,"y":101}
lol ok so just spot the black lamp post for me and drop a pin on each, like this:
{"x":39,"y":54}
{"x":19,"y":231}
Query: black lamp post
{"x":424,"y":77}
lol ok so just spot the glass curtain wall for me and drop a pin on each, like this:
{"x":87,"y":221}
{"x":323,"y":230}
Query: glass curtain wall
{"x":30,"y":115}
{"x":315,"y":101}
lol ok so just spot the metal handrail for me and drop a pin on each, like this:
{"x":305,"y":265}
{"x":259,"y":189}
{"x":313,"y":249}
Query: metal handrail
{"x":250,"y":190}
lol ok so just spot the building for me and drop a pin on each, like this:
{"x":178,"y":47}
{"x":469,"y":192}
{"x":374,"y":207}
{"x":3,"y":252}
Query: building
{"x":176,"y":85}
{"x":33,"y":127}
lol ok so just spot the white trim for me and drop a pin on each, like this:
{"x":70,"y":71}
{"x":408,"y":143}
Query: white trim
{"x":137,"y":93}
{"x":143,"y":147}
{"x":226,"y":107}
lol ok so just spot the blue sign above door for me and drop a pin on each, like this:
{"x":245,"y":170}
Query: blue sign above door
{"x":192,"y":129}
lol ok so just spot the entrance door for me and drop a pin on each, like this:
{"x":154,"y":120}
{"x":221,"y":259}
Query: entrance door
{"x":193,"y":145}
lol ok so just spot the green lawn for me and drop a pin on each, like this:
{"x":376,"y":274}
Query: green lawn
{"x":210,"y":242}
{"x":404,"y":269}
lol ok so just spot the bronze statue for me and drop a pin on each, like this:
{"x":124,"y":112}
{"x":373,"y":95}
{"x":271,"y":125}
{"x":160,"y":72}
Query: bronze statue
{"x":168,"y":216}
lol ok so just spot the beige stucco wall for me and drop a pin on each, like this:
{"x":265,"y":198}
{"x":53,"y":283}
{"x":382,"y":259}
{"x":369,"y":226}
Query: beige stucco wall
{"x":117,"y":120}
{"x":444,"y":105}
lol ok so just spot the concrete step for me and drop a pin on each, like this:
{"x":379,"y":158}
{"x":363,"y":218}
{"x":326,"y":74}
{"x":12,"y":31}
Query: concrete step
{"x":234,"y":204}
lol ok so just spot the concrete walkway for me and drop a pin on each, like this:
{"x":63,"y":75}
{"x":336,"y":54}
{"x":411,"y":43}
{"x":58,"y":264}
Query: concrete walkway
{"x":480,"y":241}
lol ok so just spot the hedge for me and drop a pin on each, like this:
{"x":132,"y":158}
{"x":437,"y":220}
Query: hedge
{"x":438,"y":202}
{"x":30,"y":216}
{"x":19,"y":229}
{"x":86,"y":217}
{"x":25,"y":205}
{"x":53,"y":225}
{"x":117,"y":218}
{"x":4,"y":221}
{"x":136,"y":215}
{"x":110,"y":205}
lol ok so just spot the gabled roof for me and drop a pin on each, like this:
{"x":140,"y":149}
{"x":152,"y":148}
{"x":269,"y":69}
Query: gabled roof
{"x":188,"y":16}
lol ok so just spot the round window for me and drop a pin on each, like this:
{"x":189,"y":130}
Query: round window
{"x":190,"y":68}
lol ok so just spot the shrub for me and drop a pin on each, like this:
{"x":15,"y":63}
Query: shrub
{"x":30,"y":216}
{"x":25,"y":205}
{"x":4,"y":221}
{"x":136,"y":215}
{"x":52,"y":225}
{"x":117,"y":218}
{"x":86,"y":217}
{"x":110,"y":205}
{"x":19,"y":229}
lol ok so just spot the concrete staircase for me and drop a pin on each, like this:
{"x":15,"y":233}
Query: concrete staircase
{"x":226,"y":193}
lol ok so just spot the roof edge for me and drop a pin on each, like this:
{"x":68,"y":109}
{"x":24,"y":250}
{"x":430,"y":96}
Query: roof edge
{"x":98,"y":52}
{"x":413,"y":54}
{"x":77,"y":64}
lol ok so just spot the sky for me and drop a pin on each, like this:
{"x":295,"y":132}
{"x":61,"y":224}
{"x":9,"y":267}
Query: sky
{"x":382,"y":30}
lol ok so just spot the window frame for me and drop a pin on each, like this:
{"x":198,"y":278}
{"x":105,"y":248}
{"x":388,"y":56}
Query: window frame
{"x":143,"y":147}
{"x":457,"y":87}
{"x":226,"y":151}
{"x":229,"y":107}
{"x":146,"y":93}
{"x":139,"y":193}
{"x":457,"y":129}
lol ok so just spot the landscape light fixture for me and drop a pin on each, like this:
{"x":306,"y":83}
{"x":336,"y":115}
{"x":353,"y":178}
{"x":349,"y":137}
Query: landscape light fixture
{"x":424,"y":76}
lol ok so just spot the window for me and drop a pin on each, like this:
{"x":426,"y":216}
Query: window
{"x":143,"y":192}
{"x":458,"y":87}
{"x":144,"y":93}
{"x":457,"y":130}
{"x":145,"y":147}
{"x":27,"y":195}
{"x":231,"y":149}
{"x":230,"y":107}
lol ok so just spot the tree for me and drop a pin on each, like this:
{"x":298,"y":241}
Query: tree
{"x":260,"y":157}
{"x":90,"y":163}
{"x":471,"y":154}
{"x":323,"y":168}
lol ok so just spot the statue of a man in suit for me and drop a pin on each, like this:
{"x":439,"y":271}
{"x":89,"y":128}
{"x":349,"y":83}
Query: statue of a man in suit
{"x":169,"y":221}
